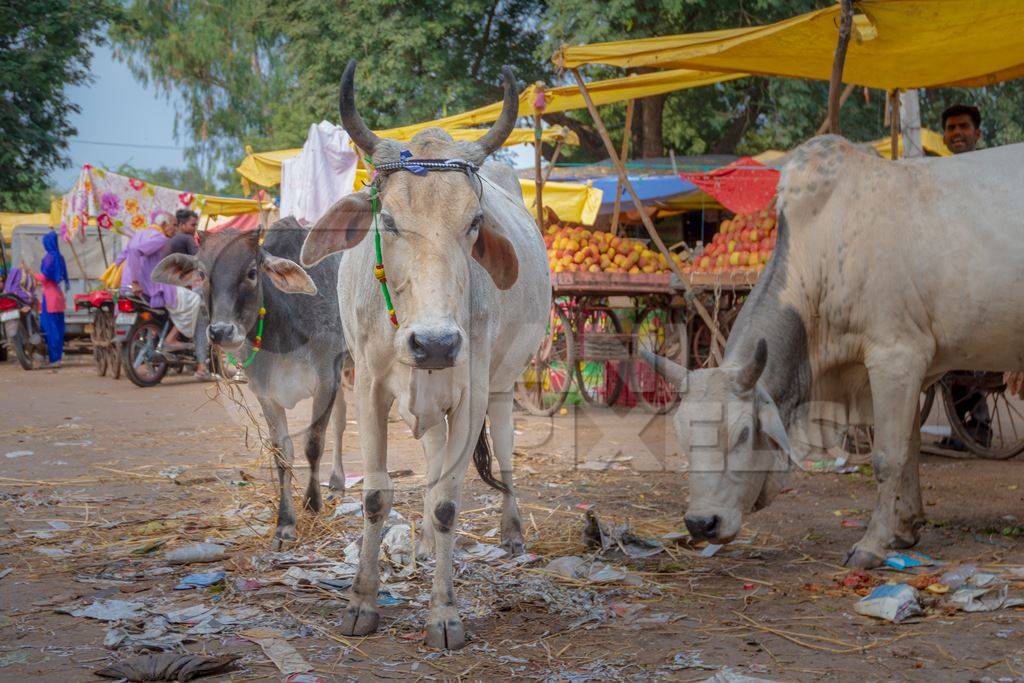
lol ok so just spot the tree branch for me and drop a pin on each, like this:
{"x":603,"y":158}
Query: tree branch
{"x":484,"y":40}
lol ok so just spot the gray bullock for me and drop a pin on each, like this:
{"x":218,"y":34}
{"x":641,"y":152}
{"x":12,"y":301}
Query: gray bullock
{"x":303,"y":347}
{"x":468,"y":272}
{"x":886,"y":275}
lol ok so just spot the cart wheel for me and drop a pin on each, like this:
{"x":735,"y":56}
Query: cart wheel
{"x":658,"y":331}
{"x":102,"y":334}
{"x":600,"y":382}
{"x":544,"y":384}
{"x":114,"y":363}
{"x":1003,"y":438}
{"x":99,"y":356}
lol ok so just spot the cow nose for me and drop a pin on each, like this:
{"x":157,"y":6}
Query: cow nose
{"x":220,"y":332}
{"x":702,"y":528}
{"x":433,"y":350}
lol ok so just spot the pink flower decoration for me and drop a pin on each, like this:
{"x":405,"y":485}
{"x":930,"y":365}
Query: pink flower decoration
{"x":110,"y":203}
{"x":186,"y":198}
{"x":104,"y":221}
{"x":136,"y":184}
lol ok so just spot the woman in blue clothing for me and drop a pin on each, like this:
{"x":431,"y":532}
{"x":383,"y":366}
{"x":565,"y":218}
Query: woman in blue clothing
{"x":52,"y":272}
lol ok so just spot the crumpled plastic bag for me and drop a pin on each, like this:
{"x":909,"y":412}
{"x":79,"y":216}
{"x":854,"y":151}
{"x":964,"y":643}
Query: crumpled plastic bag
{"x":168,"y":667}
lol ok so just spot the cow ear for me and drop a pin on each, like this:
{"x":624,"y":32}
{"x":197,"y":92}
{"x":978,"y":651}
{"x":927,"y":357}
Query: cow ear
{"x":770,"y":422}
{"x":287,"y":275}
{"x":343,"y":226}
{"x":498,"y":257}
{"x":175,"y":269}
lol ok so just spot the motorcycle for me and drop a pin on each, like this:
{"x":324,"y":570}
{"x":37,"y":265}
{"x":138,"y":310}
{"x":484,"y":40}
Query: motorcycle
{"x":22,"y":330}
{"x":140,"y":331}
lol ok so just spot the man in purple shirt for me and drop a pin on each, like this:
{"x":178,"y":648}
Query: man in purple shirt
{"x":140,"y":256}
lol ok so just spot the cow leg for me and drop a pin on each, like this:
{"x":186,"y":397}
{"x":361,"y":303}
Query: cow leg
{"x":895,"y":388}
{"x":444,"y":627}
{"x":434,"y":441}
{"x":323,"y":399}
{"x":499,"y":412}
{"x":283,"y":455}
{"x":361,"y":616}
{"x":338,"y":422}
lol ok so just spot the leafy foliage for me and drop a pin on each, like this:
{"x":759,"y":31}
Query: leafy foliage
{"x":44,"y":47}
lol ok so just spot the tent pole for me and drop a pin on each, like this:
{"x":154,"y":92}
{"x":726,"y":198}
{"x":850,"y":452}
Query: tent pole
{"x":894,"y":124}
{"x":648,"y":223}
{"x":74,"y":252}
{"x":538,"y":174}
{"x":838,"y":61}
{"x":103,"y":248}
{"x":624,"y":155}
{"x":554,"y":158}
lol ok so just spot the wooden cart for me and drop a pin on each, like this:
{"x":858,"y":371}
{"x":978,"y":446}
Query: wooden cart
{"x":105,"y":353}
{"x":598,"y":323}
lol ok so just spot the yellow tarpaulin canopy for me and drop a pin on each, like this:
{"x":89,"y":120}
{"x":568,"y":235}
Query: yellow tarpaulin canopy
{"x":211,"y":205}
{"x":568,"y":98}
{"x":895,"y":44}
{"x":930,"y":140}
{"x":572,"y":202}
{"x":8,"y":221}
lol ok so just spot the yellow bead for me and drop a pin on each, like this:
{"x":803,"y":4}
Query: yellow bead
{"x":263,"y":311}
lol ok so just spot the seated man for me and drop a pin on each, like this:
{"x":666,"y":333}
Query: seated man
{"x":188,"y":307}
{"x":140,"y":256}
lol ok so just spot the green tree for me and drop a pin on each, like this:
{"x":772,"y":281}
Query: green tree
{"x":45,"y":46}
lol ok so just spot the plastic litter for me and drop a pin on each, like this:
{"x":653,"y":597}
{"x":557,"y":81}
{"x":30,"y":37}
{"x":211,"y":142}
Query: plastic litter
{"x":172,"y":472}
{"x":903,"y":561}
{"x":200,"y":580}
{"x":18,"y":454}
{"x":108,"y":610}
{"x":168,"y":667}
{"x":957,"y":577}
{"x":573,"y":567}
{"x":397,"y":544}
{"x":727,"y":675}
{"x":281,"y":653}
{"x":892,"y":602}
{"x":710,"y":549}
{"x":195,"y":552}
{"x":17,"y":657}
{"x":305,"y":678}
{"x":983,"y":593}
{"x":622,"y":537}
{"x":482,"y":552}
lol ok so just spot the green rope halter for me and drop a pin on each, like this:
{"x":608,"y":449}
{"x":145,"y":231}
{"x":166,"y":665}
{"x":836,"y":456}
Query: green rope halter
{"x":256,"y":344}
{"x":378,"y":269}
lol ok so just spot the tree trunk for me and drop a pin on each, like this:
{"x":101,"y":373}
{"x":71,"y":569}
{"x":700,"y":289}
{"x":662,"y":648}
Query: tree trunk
{"x":653,"y":111}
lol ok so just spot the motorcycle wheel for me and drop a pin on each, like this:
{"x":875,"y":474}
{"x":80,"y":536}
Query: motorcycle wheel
{"x":143,"y":365}
{"x":21,"y":347}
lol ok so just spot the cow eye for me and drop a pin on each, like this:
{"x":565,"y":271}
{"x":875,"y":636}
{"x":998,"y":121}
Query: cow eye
{"x":475,"y":224}
{"x":251,"y":274}
{"x":389,"y":223}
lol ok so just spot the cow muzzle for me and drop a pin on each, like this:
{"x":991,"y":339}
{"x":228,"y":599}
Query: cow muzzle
{"x":434,"y":349}
{"x":226,"y":335}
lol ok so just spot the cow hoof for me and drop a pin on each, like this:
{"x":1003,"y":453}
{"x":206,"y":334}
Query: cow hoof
{"x":514,"y":546}
{"x":359,"y":620}
{"x":424,"y":550}
{"x":312,"y":503}
{"x":903,"y":541}
{"x":283,"y":537}
{"x":445,"y":634}
{"x":337,"y":483}
{"x":862,"y":559}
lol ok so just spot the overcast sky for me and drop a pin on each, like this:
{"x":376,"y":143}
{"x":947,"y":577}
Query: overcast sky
{"x":133,"y":123}
{"x":124,"y":122}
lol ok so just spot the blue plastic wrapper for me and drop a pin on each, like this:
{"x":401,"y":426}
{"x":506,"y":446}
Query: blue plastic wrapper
{"x":200,"y":580}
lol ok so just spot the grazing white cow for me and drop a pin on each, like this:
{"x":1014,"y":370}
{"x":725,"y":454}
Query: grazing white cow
{"x":886,"y":275}
{"x":468,"y":271}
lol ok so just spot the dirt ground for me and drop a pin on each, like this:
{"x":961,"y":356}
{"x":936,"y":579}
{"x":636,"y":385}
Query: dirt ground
{"x":88,"y":517}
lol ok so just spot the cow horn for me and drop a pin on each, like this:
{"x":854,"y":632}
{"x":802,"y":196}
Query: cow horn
{"x":364,"y":138}
{"x":670,"y":370}
{"x":751,"y":372}
{"x":502,"y":128}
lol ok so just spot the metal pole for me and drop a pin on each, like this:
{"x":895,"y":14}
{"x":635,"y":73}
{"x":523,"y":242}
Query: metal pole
{"x":538,"y":173}
{"x":894,"y":124}
{"x":648,"y":223}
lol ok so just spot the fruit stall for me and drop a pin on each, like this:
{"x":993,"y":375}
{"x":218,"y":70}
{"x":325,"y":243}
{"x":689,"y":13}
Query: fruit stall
{"x":613,"y":295}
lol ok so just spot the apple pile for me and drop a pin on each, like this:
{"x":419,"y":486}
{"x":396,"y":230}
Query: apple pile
{"x":576,"y":249}
{"x":744,"y":243}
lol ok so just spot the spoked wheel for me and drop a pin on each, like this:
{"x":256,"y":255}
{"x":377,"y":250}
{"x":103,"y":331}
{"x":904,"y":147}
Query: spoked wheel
{"x":144,"y":366}
{"x":657,"y":330}
{"x":600,"y":381}
{"x":544,"y":384}
{"x":983,"y":415}
{"x":29,"y":343}
{"x":102,"y":341}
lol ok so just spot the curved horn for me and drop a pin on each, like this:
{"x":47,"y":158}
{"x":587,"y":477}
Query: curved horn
{"x":502,"y":128}
{"x":364,"y":138}
{"x":751,"y":372}
{"x":670,"y":370}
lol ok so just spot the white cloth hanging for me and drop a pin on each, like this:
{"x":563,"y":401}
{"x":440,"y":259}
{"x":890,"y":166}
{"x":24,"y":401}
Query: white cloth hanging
{"x":321,"y":175}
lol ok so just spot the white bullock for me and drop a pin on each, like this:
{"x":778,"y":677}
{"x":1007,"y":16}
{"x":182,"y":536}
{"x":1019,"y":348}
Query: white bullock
{"x":468,"y":271}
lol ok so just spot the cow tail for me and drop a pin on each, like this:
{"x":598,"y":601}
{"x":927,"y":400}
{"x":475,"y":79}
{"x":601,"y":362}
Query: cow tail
{"x":482,"y":460}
